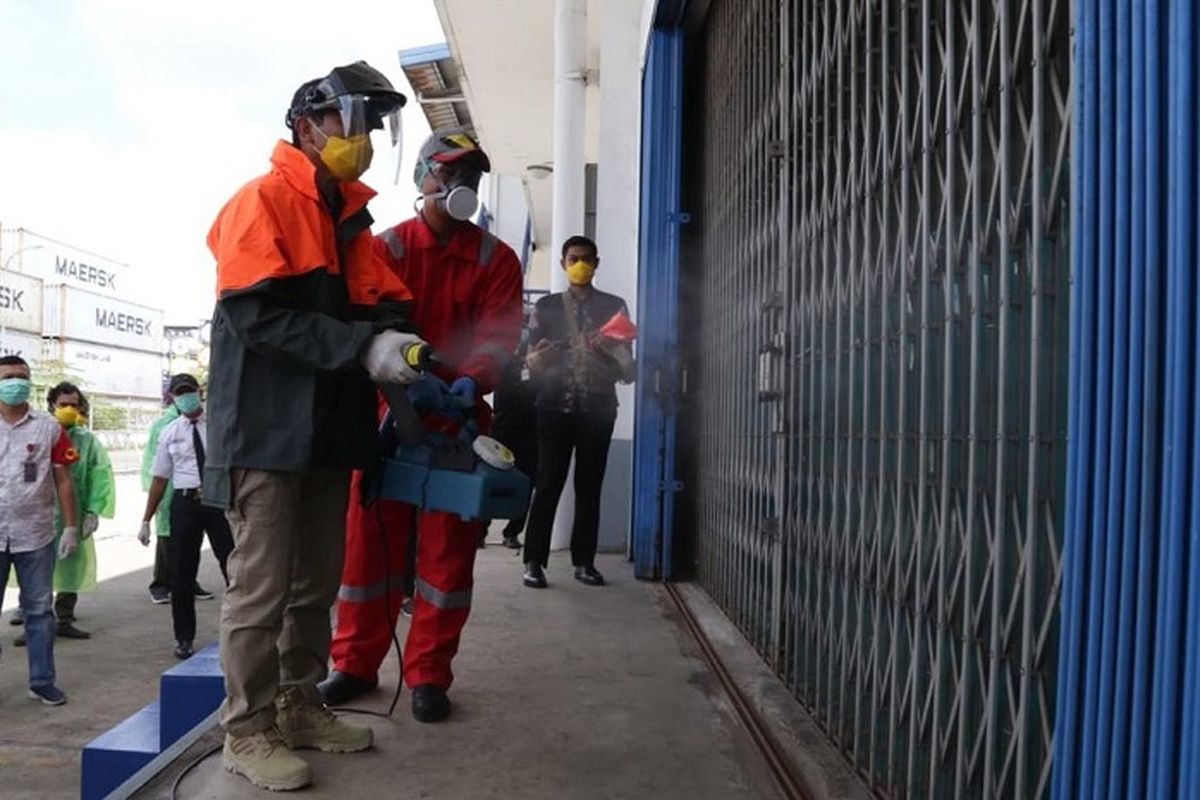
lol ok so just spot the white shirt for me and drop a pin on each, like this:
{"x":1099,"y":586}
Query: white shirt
{"x":175,"y":458}
{"x":27,"y":493}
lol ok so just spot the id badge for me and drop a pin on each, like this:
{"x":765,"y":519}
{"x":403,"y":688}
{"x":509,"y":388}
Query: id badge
{"x":525,"y":374}
{"x":30,"y":472}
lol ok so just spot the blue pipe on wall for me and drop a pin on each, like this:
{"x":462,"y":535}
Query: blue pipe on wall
{"x":1153,"y":87}
{"x":1099,"y":533}
{"x":1134,"y":192}
{"x":1116,"y":569}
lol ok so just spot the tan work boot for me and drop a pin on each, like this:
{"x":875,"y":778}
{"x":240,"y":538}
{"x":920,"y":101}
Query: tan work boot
{"x":265,"y":761}
{"x":308,"y":725}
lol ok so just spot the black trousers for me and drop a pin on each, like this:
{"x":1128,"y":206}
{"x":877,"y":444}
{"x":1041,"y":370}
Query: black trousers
{"x":162,"y":562}
{"x":523,"y":441}
{"x":588,"y":436}
{"x":190,"y":520}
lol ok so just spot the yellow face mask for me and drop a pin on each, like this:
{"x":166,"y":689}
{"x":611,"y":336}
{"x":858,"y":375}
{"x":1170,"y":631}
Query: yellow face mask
{"x":581,"y":273}
{"x":346,"y":157}
{"x":67,"y":416}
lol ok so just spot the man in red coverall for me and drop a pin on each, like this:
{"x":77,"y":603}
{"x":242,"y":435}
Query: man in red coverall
{"x":466,"y":284}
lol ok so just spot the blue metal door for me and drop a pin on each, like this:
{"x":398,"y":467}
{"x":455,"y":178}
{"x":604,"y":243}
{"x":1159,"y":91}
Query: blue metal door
{"x":654,"y":477}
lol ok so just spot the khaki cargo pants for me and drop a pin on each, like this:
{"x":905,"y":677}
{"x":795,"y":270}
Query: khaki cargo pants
{"x":289,"y":535}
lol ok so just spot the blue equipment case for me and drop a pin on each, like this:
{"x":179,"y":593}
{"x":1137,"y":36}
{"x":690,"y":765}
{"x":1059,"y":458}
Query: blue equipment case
{"x":484,"y":493}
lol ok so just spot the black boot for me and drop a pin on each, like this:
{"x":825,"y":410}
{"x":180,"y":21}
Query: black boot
{"x":342,"y":687}
{"x":430,"y":703}
{"x":67,"y":630}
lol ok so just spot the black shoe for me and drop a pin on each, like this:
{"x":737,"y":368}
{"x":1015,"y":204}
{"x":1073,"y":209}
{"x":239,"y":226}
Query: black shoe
{"x":183,"y":649}
{"x":67,"y":630}
{"x":160,"y":595}
{"x":342,"y":687}
{"x":512,"y":542}
{"x":535,"y":576}
{"x":589,"y":575}
{"x":201,"y":593}
{"x":18,"y":618}
{"x":430,"y":703}
{"x":20,"y":640}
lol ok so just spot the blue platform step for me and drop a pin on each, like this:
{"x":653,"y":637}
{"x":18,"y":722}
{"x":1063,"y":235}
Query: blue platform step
{"x":189,"y":693}
{"x":113,"y":756}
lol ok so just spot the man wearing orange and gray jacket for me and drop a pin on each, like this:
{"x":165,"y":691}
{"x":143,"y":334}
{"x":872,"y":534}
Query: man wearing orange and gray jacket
{"x":308,"y":319}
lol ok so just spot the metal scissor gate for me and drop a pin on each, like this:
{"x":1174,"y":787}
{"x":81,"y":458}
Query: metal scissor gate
{"x":875,"y":319}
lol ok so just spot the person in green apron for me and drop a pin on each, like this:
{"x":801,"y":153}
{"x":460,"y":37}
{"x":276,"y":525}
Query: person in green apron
{"x":95,"y":493}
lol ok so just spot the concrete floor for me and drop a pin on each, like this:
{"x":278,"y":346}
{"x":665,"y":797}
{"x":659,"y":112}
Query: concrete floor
{"x":571,"y":692}
{"x":106,"y":678}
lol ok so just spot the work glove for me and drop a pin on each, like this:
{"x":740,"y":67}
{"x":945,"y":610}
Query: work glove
{"x":462,"y":393}
{"x":428,"y":395}
{"x":384,"y":358}
{"x":68,"y":542}
{"x":144,"y":534}
{"x":90,"y":523}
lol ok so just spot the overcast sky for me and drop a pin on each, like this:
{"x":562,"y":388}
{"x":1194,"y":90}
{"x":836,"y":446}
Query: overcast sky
{"x":127,"y":124}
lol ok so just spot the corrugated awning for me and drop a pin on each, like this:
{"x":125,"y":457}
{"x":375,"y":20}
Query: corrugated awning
{"x":435,"y":77}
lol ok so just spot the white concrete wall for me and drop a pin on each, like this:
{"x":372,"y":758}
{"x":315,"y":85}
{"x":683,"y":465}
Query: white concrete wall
{"x":618,"y":193}
{"x":506,"y":202}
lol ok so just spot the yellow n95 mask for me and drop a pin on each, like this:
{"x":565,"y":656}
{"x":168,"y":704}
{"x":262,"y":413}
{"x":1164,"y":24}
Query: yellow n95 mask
{"x":347,"y":158}
{"x":581,"y":273}
{"x":67,"y":416}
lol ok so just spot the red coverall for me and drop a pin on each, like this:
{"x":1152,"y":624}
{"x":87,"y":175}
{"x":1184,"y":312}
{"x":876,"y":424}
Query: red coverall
{"x":468,"y":306}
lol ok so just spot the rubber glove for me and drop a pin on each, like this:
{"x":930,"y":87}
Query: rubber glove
{"x":428,"y":395}
{"x":144,"y":534}
{"x":90,"y":523}
{"x":463,"y":391}
{"x":68,"y":542}
{"x":384,"y":358}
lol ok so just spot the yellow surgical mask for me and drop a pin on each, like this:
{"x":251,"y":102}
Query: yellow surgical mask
{"x":67,"y":416}
{"x":346,"y":157}
{"x":580,"y":273}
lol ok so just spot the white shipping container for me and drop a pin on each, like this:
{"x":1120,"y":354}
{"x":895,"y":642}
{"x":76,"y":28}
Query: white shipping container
{"x":81,"y":315}
{"x":19,"y":343}
{"x":112,"y":370}
{"x":57,"y":263}
{"x":20,"y":302}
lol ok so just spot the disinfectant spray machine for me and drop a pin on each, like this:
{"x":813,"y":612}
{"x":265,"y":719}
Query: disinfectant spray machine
{"x":469,"y":475}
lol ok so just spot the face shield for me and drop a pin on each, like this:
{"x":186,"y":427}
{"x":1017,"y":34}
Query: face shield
{"x":362,"y":115}
{"x":365,"y":101}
